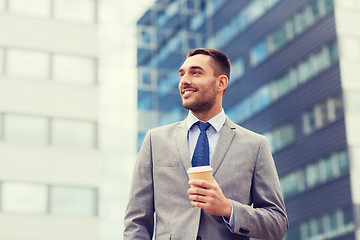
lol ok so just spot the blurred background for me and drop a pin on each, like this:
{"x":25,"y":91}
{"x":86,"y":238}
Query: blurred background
{"x":81,"y":81}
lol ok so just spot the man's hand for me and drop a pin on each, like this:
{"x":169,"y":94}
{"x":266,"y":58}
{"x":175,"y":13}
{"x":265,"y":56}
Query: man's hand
{"x":209,"y":196}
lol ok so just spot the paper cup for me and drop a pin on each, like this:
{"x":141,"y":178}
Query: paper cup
{"x":203,"y":172}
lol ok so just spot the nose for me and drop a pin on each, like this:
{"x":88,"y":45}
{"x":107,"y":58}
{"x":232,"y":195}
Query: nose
{"x":185,"y":80}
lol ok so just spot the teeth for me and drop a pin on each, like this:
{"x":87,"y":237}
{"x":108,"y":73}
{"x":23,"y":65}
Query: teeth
{"x":187,"y":92}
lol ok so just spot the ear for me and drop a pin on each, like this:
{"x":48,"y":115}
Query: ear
{"x":223,"y":81}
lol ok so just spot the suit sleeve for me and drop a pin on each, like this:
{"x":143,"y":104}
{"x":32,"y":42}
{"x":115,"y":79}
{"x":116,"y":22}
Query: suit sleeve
{"x":139,"y":215}
{"x":266,"y":218}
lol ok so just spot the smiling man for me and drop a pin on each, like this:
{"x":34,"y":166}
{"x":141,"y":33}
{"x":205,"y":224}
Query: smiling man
{"x":245,"y":199}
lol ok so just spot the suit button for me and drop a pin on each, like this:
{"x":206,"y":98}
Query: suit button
{"x":244,"y":231}
{"x":198,"y":238}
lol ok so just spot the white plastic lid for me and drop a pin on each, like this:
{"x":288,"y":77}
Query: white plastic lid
{"x":199,"y":169}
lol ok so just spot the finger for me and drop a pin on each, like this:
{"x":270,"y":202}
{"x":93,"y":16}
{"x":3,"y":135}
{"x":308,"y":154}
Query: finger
{"x":201,"y":183}
{"x":198,"y":198}
{"x":198,"y":204}
{"x":199,"y":191}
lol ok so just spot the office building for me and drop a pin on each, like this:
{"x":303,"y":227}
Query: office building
{"x":49,"y":151}
{"x":294,"y":78}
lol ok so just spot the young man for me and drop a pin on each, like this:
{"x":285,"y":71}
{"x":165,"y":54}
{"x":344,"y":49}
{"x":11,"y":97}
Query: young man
{"x":245,"y":201}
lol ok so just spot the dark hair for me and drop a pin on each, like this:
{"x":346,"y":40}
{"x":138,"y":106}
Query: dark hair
{"x":220,"y":60}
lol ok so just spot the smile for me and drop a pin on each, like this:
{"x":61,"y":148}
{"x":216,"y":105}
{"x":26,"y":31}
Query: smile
{"x":188,"y":92}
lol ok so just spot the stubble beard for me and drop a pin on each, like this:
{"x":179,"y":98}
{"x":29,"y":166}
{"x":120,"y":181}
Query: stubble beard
{"x":202,"y":104}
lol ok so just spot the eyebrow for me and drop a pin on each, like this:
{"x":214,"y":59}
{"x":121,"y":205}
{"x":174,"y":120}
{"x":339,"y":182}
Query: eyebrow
{"x":191,"y":68}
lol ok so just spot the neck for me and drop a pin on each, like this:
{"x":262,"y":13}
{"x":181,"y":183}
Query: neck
{"x":206,"y":115}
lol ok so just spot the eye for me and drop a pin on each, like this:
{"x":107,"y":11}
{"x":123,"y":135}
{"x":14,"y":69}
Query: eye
{"x":195,"y":73}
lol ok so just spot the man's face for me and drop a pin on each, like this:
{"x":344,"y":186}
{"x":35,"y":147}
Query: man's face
{"x":198,"y":84}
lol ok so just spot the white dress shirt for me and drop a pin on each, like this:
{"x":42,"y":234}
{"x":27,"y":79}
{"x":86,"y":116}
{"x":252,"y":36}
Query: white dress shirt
{"x":213,"y":134}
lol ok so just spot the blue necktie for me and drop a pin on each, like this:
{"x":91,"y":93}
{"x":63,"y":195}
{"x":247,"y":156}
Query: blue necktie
{"x":201,"y":152}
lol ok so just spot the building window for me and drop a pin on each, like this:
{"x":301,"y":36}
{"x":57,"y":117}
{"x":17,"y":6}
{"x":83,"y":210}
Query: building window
{"x":280,"y":137}
{"x":2,"y":62}
{"x":293,"y":78}
{"x":327,"y":226}
{"x":312,"y":175}
{"x":36,"y":198}
{"x":174,"y":115}
{"x":261,"y":98}
{"x":73,"y":133}
{"x":277,"y":39}
{"x":146,"y":36}
{"x":82,"y":11}
{"x":315,"y":173}
{"x":196,"y":21}
{"x":140,"y":139}
{"x":294,"y":233}
{"x":237,"y":70}
{"x":23,"y":198}
{"x":253,"y":11}
{"x":190,"y":41}
{"x":73,"y":201}
{"x":27,"y":64}
{"x":147,"y":120}
{"x":322,"y":114}
{"x":2,"y":5}
{"x":39,"y":8}
{"x":81,"y":70}
{"x":190,"y":6}
{"x":25,"y":129}
{"x":75,"y":10}
{"x":146,"y":78}
{"x":170,"y":11}
{"x":292,"y":27}
{"x":146,"y":100}
{"x":1,"y":127}
{"x":258,"y":53}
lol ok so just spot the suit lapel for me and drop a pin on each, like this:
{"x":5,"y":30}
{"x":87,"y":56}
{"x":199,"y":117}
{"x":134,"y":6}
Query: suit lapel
{"x":182,"y":144}
{"x":225,"y":139}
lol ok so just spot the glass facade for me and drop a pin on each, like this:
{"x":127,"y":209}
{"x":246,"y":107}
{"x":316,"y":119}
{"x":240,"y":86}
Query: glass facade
{"x":285,"y":84}
{"x":295,"y":76}
{"x":240,"y":22}
{"x":315,"y":174}
{"x":322,"y":114}
{"x":305,"y":18}
{"x":328,"y":226}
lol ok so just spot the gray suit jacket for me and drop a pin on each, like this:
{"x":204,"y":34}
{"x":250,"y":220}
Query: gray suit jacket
{"x":244,"y":169}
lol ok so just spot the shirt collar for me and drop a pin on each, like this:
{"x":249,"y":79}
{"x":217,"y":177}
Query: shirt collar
{"x":216,"y":122}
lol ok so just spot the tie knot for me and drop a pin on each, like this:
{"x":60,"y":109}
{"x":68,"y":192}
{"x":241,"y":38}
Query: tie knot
{"x":203,"y":126}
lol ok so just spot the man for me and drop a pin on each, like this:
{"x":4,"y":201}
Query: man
{"x":245,"y":201}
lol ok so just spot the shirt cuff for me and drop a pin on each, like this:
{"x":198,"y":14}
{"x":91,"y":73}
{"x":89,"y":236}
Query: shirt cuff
{"x":230,"y":222}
